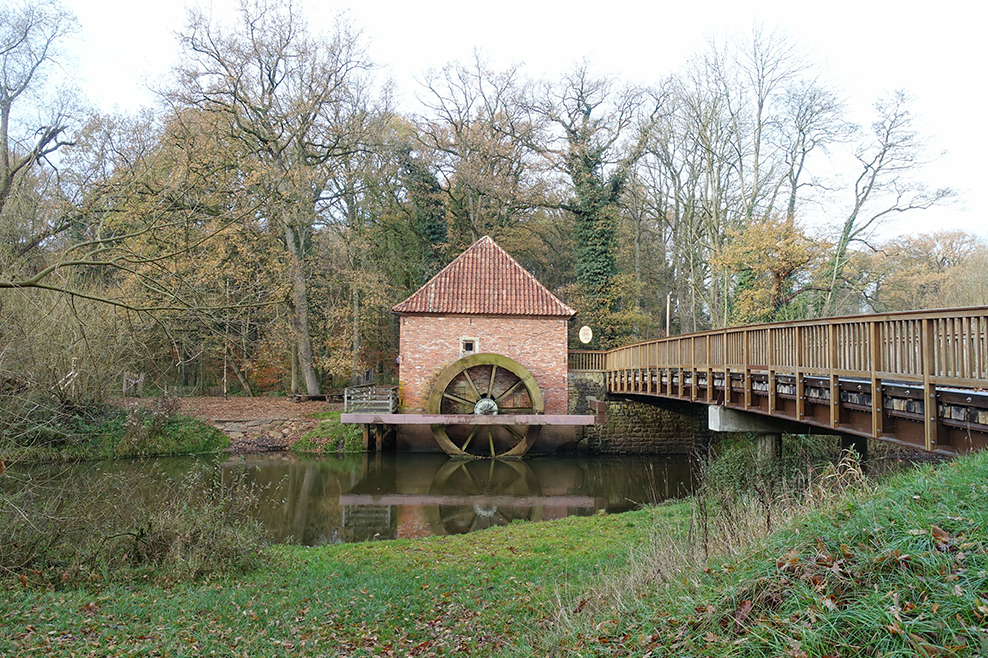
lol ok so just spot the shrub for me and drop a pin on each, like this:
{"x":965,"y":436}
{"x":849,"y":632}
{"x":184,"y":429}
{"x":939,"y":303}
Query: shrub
{"x":331,"y":436}
{"x":57,"y":530}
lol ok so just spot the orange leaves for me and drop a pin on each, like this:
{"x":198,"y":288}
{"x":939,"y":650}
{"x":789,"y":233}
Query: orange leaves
{"x":766,"y":255}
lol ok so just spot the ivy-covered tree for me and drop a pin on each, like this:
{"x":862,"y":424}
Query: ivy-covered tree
{"x":594,"y":134}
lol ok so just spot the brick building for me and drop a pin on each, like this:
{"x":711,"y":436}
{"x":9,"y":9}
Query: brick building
{"x":483,"y":302}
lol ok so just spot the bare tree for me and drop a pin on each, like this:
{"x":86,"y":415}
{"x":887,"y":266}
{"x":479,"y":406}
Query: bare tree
{"x":30,"y":33}
{"x":478,"y":130}
{"x":884,"y":186}
{"x":287,"y":98}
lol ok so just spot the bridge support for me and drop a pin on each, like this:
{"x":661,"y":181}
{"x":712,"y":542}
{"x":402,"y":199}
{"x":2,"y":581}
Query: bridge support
{"x":768,"y":447}
{"x":722,"y":419}
{"x":858,"y":444}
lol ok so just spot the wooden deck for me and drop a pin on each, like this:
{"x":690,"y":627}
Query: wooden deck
{"x":466,"y":419}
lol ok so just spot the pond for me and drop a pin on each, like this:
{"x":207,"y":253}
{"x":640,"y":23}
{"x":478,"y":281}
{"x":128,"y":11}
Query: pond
{"x":316,"y":501}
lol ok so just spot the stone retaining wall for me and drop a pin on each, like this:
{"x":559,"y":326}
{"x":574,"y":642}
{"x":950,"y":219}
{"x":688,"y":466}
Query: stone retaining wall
{"x":263,"y":434}
{"x":664,"y":427}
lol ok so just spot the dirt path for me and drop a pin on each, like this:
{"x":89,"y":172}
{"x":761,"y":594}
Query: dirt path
{"x":263,"y":424}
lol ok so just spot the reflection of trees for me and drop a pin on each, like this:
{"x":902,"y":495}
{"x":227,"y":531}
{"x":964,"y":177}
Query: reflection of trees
{"x":301,"y":504}
{"x":626,"y":483}
{"x":299,"y":499}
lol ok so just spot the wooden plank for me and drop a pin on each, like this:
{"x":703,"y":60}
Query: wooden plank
{"x":929,"y":391}
{"x":465,"y":419}
{"x":877,"y":407}
{"x":747,"y":371}
{"x":834,"y":383}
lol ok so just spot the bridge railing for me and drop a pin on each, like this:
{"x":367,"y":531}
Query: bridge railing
{"x":947,"y":347}
{"x":828,"y":371}
{"x":586,"y":360}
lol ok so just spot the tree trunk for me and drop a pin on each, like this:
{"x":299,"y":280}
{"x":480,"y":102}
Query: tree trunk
{"x":355,"y":305}
{"x":240,"y":377}
{"x":301,"y":317}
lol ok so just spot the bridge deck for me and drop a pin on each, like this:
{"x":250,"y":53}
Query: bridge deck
{"x":915,"y":378}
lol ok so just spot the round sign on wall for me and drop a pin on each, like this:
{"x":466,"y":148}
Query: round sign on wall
{"x":586,"y":334}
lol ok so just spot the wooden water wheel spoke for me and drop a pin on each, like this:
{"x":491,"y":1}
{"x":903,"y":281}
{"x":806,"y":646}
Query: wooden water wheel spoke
{"x":511,"y":430}
{"x":456,"y":398}
{"x":509,"y":391}
{"x":487,"y":489}
{"x":466,"y":444}
{"x":479,"y":384}
{"x":473,"y":386}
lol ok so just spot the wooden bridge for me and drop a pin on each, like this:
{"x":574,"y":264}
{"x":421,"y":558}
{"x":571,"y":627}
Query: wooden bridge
{"x":913,"y":378}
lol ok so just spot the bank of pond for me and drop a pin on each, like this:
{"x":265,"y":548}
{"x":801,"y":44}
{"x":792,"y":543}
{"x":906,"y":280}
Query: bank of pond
{"x":833,"y":564}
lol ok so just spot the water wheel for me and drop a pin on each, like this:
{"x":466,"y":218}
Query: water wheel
{"x":486,"y":384}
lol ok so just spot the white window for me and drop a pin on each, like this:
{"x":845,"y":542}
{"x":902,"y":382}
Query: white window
{"x":468,"y":346}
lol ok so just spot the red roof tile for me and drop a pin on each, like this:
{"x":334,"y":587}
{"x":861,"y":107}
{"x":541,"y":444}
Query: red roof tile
{"x":484,"y":280}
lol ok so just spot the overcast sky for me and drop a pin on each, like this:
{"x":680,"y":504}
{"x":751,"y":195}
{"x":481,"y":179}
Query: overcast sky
{"x":866,"y":48}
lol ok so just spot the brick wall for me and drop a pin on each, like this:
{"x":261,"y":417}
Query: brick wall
{"x":431,"y":343}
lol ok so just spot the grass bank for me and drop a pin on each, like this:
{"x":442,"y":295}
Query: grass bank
{"x":899,"y":569}
{"x":330,"y":437}
{"x":101,"y":431}
{"x":437,"y":596}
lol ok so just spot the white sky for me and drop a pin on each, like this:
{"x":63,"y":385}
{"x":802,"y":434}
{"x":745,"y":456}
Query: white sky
{"x":866,"y":48}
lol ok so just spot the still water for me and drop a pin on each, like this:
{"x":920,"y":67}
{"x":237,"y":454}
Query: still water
{"x":387,"y":496}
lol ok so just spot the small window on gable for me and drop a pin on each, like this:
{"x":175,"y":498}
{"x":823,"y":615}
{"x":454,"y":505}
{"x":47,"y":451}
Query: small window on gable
{"x":468,"y":346}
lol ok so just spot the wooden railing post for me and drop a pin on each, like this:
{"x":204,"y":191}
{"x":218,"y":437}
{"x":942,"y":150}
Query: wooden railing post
{"x":877,"y":407}
{"x":929,"y":390}
{"x":692,"y":368}
{"x":800,"y":387}
{"x":834,"y":382}
{"x":710,"y":373}
{"x":771,"y":371}
{"x":747,"y":371}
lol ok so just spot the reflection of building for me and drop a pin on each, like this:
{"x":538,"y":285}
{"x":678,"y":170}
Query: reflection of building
{"x":376,"y":496}
{"x":464,"y":496}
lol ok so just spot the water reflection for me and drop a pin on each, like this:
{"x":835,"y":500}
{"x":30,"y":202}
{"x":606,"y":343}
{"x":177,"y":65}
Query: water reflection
{"x":361,"y":497}
{"x":408,"y":495}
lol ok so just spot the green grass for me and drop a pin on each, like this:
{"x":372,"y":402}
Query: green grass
{"x":899,"y":569}
{"x":330,"y":437}
{"x":108,"y":432}
{"x":436,"y":596}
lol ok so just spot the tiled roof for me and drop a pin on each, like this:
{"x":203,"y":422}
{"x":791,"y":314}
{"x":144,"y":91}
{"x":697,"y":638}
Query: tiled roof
{"x":484,"y":280}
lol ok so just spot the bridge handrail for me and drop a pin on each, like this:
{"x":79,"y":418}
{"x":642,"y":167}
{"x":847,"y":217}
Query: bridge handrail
{"x":587,"y":360}
{"x":945,"y":347}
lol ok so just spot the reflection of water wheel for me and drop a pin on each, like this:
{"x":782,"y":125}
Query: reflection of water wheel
{"x":486,"y":384}
{"x":489,"y":484}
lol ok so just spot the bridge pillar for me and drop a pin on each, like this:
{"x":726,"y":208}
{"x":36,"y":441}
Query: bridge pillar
{"x":768,"y":447}
{"x":722,"y":419}
{"x":858,"y":444}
